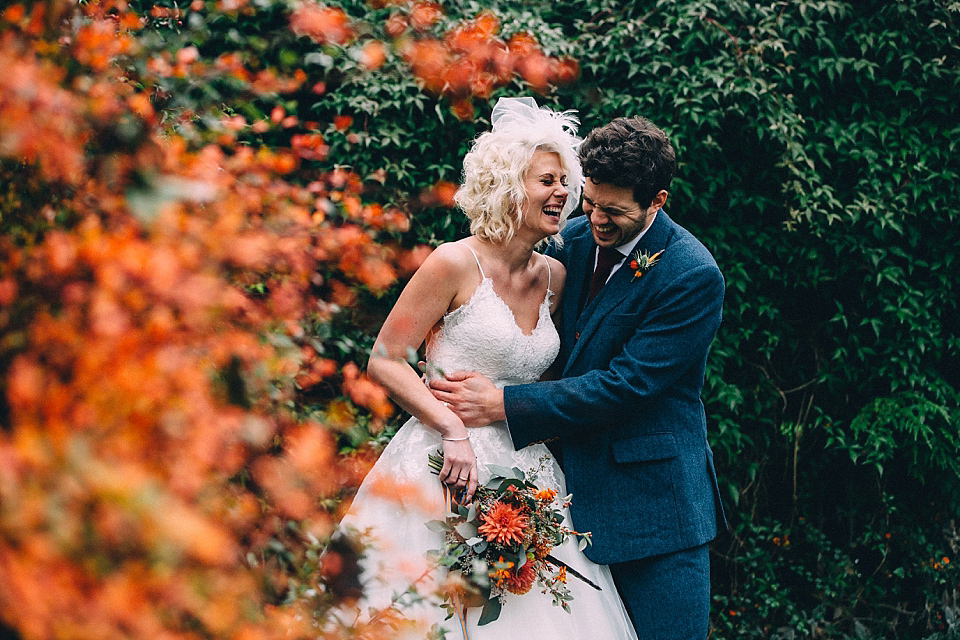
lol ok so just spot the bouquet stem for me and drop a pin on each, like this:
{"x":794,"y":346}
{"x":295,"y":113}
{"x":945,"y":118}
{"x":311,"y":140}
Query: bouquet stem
{"x":560,"y":563}
{"x":458,"y":605}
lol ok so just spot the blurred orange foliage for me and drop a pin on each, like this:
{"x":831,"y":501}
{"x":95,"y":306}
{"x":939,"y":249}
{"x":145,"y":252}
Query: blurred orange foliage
{"x":154,"y":330}
{"x":471,"y":60}
{"x":322,"y":24}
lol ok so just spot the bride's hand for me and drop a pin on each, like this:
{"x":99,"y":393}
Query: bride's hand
{"x":459,"y":469}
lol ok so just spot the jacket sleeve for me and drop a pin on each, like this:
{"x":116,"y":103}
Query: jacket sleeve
{"x":670,"y":338}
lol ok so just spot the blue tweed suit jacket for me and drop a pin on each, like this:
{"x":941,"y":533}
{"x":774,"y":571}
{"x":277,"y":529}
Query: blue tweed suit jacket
{"x":626,"y":413}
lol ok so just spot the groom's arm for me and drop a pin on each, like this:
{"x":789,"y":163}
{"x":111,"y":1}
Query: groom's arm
{"x":665,"y":343}
{"x":473,"y":396}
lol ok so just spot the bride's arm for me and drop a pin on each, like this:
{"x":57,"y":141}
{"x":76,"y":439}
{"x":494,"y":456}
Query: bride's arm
{"x":437,"y":285}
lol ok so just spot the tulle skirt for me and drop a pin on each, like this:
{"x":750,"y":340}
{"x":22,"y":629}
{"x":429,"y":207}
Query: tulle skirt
{"x":400,"y":495}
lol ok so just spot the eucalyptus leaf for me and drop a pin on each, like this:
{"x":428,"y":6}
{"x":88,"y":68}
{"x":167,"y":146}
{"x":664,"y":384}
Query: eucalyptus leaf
{"x":438,"y":526}
{"x":466,"y":530}
{"x":504,"y":472}
{"x":490,"y":612}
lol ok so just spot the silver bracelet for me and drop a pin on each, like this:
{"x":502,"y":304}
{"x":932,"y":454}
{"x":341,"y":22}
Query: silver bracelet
{"x":455,"y":439}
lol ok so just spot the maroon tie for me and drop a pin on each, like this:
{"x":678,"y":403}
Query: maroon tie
{"x":606,"y":259}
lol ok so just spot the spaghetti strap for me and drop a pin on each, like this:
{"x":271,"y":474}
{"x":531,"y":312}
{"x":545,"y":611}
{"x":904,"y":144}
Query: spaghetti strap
{"x":477,"y":259}
{"x":547,"y":262}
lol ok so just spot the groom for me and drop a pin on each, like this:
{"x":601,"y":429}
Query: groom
{"x":642,"y":304}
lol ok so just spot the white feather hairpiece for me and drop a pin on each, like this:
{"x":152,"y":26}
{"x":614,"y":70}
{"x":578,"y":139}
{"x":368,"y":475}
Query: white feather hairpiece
{"x":524,"y":112}
{"x":541,"y":124}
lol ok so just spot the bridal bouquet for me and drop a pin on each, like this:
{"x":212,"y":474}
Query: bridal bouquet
{"x":501,"y":542}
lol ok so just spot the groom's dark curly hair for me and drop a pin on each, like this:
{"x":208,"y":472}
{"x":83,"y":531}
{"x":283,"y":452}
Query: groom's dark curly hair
{"x":630,"y":152}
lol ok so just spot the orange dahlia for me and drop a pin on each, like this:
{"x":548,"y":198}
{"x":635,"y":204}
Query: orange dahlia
{"x":520,"y":580}
{"x":503,"y":524}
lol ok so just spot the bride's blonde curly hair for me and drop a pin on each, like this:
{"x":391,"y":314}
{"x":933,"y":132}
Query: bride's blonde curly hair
{"x":492,"y":194}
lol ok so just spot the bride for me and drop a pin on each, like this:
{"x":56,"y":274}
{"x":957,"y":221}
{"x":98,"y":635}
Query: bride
{"x":483,"y":304}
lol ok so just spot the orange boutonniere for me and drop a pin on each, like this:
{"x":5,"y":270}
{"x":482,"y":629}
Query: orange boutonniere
{"x":641,"y":262}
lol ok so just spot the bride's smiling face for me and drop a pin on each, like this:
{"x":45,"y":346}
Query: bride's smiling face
{"x":546,"y":185}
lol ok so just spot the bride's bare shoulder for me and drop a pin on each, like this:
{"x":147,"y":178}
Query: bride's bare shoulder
{"x":558,"y":277}
{"x":557,"y":272}
{"x":449,"y":273}
{"x":556,"y":267}
{"x":451,"y":259}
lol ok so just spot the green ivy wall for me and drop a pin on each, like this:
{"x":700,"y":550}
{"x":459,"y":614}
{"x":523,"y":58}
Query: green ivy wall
{"x":817,"y":145}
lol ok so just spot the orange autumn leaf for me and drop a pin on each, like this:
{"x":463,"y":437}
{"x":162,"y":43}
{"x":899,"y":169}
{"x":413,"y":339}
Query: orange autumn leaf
{"x":566,"y":70}
{"x":522,"y":44}
{"x":321,"y":24}
{"x":140,"y":104}
{"x":487,"y":23}
{"x":99,"y":43}
{"x":25,"y":383}
{"x":39,"y":121}
{"x":14,"y":13}
{"x":310,"y":146}
{"x":410,"y":494}
{"x":425,"y":14}
{"x":396,"y":24}
{"x":197,"y":536}
{"x":462,"y":109}
{"x":473,"y":35}
{"x":365,"y":392}
{"x":410,"y":261}
{"x":339,"y":415}
{"x":535,"y":68}
{"x":281,"y":483}
{"x":373,"y":55}
{"x":429,"y":60}
{"x":8,"y":291}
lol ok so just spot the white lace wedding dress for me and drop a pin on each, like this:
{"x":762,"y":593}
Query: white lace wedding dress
{"x":400,"y":494}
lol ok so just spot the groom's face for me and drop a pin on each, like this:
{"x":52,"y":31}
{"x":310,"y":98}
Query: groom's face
{"x":615,"y":217}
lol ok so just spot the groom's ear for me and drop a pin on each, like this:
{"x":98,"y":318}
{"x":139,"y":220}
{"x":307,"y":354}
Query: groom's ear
{"x":660,"y":199}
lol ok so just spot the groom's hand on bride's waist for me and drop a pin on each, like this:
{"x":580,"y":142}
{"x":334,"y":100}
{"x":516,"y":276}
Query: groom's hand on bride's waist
{"x":472,"y":396}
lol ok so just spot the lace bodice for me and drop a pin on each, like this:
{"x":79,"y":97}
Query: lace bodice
{"x":482,"y":335}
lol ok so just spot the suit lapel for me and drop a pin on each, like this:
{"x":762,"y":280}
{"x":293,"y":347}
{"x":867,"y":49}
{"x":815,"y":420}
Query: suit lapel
{"x":581,"y":251}
{"x":621,"y":284}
